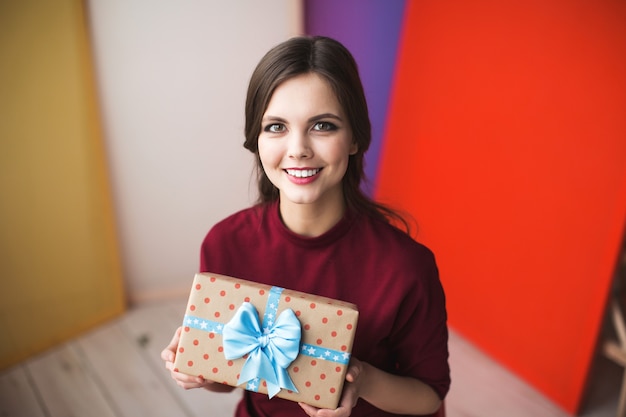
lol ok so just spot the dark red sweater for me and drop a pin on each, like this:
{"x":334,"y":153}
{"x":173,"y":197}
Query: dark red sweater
{"x":391,"y":278}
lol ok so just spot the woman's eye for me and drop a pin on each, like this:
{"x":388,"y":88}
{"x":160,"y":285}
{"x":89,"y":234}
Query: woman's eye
{"x":324,"y":126}
{"x":274,"y":128}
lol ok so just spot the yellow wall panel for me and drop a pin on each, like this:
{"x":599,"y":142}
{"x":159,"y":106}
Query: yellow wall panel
{"x":59,"y":264}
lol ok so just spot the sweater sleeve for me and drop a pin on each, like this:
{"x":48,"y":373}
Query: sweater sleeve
{"x":216,"y":252}
{"x":230,"y":241}
{"x":420,"y":334}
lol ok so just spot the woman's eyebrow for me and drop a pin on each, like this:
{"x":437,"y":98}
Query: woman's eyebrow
{"x":325,"y":116}
{"x":273,"y":119}
{"x":270,"y":118}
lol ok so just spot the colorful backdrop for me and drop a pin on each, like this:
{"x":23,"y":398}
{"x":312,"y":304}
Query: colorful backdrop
{"x":500,"y":127}
{"x":59,"y":261}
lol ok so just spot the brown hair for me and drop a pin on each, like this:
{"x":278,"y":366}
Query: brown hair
{"x":334,"y":63}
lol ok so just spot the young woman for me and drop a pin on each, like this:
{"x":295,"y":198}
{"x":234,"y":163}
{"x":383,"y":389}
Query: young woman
{"x":315,"y":231}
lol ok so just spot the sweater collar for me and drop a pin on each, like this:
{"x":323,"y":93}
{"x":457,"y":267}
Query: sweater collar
{"x":333,"y":234}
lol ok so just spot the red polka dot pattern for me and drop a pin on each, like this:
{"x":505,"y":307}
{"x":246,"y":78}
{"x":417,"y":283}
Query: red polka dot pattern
{"x":326,"y":324}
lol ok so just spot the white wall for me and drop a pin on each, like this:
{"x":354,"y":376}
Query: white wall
{"x":172,"y":78}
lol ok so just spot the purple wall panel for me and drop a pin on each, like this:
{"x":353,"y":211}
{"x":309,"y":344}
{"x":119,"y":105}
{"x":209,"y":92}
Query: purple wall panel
{"x":370,"y":29}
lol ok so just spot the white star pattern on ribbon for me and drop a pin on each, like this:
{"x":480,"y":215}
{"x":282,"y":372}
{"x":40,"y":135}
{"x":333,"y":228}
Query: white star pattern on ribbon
{"x":318,"y":352}
{"x":252,"y":384}
{"x":325,"y":355}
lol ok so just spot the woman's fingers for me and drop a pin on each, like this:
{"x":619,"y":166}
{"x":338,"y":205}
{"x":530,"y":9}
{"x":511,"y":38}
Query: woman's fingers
{"x":169,"y":353}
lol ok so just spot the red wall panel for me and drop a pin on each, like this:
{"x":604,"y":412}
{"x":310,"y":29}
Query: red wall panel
{"x":506,"y":141}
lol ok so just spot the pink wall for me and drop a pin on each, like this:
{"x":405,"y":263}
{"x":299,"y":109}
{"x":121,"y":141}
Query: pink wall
{"x":507,"y":142}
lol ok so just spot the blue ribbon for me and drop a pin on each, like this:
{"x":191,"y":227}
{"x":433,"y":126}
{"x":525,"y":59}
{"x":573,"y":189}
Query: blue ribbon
{"x":270,"y":351}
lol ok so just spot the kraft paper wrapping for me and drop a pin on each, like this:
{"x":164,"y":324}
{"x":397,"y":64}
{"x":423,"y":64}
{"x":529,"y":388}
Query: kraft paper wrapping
{"x":327,"y":332}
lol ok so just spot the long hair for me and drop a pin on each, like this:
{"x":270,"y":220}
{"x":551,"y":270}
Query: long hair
{"x":334,"y":63}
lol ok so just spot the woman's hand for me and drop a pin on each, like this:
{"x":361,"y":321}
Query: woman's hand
{"x":187,"y":381}
{"x":349,"y":396}
{"x":392,"y":393}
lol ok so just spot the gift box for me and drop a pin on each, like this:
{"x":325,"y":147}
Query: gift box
{"x":267,"y":339}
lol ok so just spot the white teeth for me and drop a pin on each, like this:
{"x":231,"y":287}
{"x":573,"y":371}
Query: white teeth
{"x":302,"y":173}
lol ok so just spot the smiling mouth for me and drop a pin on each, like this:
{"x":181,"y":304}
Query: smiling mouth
{"x":303,"y":173}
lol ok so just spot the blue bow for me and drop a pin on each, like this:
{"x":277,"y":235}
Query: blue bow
{"x":270,"y":351}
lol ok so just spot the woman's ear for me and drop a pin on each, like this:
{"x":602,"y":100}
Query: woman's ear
{"x":354,"y":148}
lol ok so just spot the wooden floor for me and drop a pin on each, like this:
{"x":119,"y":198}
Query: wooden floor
{"x":115,"y":370}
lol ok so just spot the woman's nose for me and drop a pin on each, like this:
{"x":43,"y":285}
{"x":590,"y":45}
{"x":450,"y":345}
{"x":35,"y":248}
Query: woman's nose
{"x":298,"y":146}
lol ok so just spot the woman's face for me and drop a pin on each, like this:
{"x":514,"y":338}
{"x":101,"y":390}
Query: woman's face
{"x":305,"y":142}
